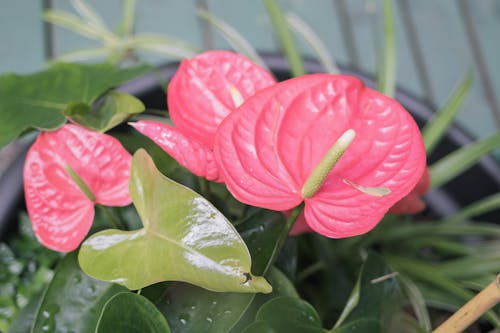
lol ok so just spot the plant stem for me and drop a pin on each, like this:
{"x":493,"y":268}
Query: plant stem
{"x":387,"y":75}
{"x":472,"y":310}
{"x":285,"y":37}
{"x":284,"y":234}
{"x":111,"y":218}
{"x":310,"y":270}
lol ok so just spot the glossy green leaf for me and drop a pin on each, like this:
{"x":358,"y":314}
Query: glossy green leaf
{"x":188,"y":308}
{"x":387,"y":74}
{"x":377,"y":285}
{"x":360,"y":325}
{"x":131,"y":313}
{"x":285,"y":37}
{"x":72,"y":301}
{"x":286,"y":314}
{"x":282,"y":286}
{"x":24,"y":105}
{"x":114,"y":109}
{"x":261,"y":232}
{"x":462,"y":159}
{"x":184,"y":239}
{"x":434,"y":130}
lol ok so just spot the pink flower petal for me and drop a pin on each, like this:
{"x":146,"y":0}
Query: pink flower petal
{"x":199,"y":94}
{"x":60,"y":212}
{"x":269,"y":147}
{"x":413,"y":203}
{"x":193,"y":155}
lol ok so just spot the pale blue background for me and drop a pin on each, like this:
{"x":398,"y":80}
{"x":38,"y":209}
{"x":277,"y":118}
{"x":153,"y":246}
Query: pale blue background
{"x":439,"y":26}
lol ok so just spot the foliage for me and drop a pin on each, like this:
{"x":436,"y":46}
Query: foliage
{"x":199,"y":249}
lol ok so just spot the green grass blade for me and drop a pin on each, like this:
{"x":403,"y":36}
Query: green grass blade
{"x":482,"y":206}
{"x":387,"y":74}
{"x":75,"y":24}
{"x":85,"y":54}
{"x":437,"y":126}
{"x":422,"y":229}
{"x":431,"y":275}
{"x":161,"y":44}
{"x":477,"y":265}
{"x":301,"y":28}
{"x":126,"y":26}
{"x":233,"y":37}
{"x":88,"y":14}
{"x":416,"y":300}
{"x":462,"y":159}
{"x":285,"y":37}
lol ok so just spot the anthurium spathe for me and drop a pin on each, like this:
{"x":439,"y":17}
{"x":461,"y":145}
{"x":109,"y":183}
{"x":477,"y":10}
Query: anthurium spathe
{"x":66,"y":172}
{"x":204,"y":90}
{"x":347,"y":151}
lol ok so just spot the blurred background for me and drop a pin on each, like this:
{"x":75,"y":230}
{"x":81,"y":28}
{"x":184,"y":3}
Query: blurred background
{"x":436,"y":41}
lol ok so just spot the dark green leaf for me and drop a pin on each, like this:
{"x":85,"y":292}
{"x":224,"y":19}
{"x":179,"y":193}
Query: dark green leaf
{"x":192,"y":309}
{"x":73,"y":301}
{"x":261,"y":232}
{"x":24,"y":319}
{"x":377,"y":285}
{"x":282,"y":286}
{"x":38,"y":100}
{"x":360,"y":325}
{"x":113,"y":109}
{"x":286,"y":314}
{"x":184,"y":239}
{"x":131,"y":313}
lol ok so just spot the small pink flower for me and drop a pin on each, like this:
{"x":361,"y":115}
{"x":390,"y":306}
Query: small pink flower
{"x":60,"y":211}
{"x":268,"y":149}
{"x":204,"y":90}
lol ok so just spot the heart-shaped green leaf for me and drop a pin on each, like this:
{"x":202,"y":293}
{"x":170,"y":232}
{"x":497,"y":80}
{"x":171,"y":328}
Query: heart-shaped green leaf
{"x":192,"y":309}
{"x":376,"y":285}
{"x":38,"y":100}
{"x":185,"y":238}
{"x":286,"y":314}
{"x":131,"y":313}
{"x":282,"y":286}
{"x":261,"y":231}
{"x":72,"y":301}
{"x":114,"y":108}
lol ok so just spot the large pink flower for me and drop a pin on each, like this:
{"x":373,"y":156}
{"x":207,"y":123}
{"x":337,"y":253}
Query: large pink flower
{"x":269,"y":147}
{"x":204,"y":90}
{"x":60,"y":211}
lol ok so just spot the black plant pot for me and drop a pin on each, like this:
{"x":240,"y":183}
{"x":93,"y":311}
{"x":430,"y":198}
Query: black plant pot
{"x":481,"y":180}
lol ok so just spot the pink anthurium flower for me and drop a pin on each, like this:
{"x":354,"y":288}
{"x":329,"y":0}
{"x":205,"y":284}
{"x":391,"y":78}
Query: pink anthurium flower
{"x":66,"y":172}
{"x":413,"y":203}
{"x":204,"y":90}
{"x":347,"y":151}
